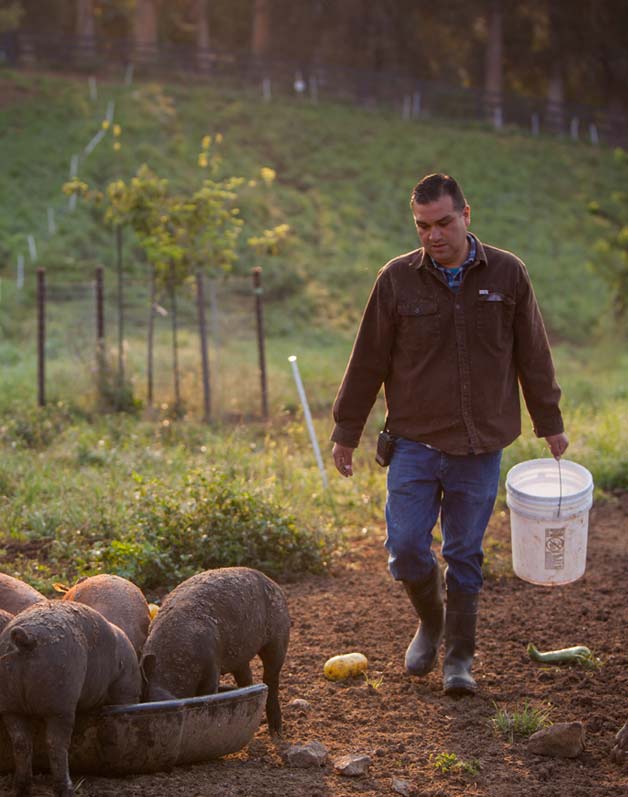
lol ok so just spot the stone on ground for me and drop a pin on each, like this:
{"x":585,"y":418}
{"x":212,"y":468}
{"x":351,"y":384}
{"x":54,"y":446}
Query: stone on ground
{"x":311,"y":754}
{"x":562,"y":740}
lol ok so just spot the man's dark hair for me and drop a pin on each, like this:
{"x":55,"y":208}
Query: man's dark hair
{"x":434,"y":186}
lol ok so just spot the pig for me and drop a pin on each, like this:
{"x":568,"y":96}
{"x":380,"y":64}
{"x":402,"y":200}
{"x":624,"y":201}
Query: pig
{"x":16,"y":595}
{"x":5,"y":618}
{"x":117,"y":599}
{"x":214,"y":623}
{"x":56,"y":658}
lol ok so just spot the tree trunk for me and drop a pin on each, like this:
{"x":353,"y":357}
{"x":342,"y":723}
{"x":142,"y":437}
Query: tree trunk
{"x":85,"y":28}
{"x":178,"y":408}
{"x":202,"y":35}
{"x":150,"y":353}
{"x":493,"y":74}
{"x":260,"y":44}
{"x":555,"y":108}
{"x":145,"y":30}
{"x":202,"y":331}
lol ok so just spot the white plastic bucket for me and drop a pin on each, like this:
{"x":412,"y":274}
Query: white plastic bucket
{"x":549,"y":520}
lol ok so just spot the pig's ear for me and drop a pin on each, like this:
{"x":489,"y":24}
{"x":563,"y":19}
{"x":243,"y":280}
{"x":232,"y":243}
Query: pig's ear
{"x":147,"y":666}
{"x":22,"y":640}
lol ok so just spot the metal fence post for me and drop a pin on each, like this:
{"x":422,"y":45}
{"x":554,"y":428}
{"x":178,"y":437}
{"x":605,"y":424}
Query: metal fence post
{"x":202,"y":330}
{"x":259,"y":312}
{"x":41,"y":337}
{"x":100,"y":326}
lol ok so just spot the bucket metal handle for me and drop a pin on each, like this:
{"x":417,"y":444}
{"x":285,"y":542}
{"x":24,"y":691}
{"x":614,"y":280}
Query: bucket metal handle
{"x":560,"y":488}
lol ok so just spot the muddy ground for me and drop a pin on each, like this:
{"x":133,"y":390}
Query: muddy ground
{"x":406,"y":723}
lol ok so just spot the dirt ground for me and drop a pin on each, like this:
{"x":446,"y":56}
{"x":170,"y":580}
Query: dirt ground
{"x":406,"y":722}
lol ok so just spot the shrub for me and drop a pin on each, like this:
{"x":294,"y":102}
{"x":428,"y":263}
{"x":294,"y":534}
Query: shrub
{"x":211,"y":521}
{"x":37,"y":427}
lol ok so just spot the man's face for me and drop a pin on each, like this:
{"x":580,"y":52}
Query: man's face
{"x":443,"y":230}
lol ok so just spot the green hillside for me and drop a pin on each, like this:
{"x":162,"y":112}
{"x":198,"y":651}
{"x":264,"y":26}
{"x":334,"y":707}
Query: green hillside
{"x":344,"y":177}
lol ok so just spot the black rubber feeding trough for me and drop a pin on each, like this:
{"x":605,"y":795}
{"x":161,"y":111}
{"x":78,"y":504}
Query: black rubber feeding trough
{"x":149,"y":737}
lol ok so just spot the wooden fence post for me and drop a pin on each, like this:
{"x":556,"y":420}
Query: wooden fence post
{"x":100,"y":327}
{"x":41,"y":337}
{"x":120,"y":276}
{"x":259,"y":312}
{"x":202,"y":331}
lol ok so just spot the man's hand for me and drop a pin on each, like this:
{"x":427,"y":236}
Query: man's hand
{"x":343,"y":456}
{"x":557,"y":444}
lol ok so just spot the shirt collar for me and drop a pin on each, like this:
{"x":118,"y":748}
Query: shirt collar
{"x":421,"y":258}
{"x":467,"y":261}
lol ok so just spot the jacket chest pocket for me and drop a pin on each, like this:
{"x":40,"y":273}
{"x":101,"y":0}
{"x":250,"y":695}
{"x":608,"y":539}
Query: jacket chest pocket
{"x":495,"y":312}
{"x":418,"y":324}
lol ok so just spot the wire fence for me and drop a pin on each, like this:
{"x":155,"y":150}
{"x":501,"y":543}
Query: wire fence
{"x":70,"y":333}
{"x":413,"y":98}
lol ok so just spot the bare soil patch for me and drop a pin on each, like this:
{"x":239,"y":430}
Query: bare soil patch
{"x":406,"y":722}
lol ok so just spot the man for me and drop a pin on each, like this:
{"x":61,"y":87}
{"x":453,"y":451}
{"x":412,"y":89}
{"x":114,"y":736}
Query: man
{"x":450,"y":330}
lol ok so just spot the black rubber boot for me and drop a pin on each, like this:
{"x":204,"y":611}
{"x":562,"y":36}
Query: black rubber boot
{"x":427,"y":599}
{"x":460,"y":622}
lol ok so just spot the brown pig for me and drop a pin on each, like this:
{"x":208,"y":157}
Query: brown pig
{"x":5,"y":618}
{"x":16,"y":595}
{"x":215,"y":623}
{"x":117,"y":599}
{"x":57,"y":658}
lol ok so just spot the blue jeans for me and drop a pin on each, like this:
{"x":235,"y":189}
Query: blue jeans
{"x":422,"y":482}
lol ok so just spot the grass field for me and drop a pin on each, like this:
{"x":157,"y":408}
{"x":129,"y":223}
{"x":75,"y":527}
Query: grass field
{"x":69,"y":477}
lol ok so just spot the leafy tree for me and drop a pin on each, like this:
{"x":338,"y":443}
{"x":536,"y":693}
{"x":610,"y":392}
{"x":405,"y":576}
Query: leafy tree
{"x":114,"y":204}
{"x":10,"y":16}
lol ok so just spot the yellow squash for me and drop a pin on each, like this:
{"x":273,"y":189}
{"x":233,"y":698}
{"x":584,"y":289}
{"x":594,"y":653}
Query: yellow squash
{"x":345,"y":666}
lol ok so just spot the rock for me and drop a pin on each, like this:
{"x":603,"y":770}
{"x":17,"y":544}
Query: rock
{"x":563,"y":740}
{"x":401,"y":787}
{"x":352,"y":765}
{"x":300,"y":705}
{"x":312,"y":754}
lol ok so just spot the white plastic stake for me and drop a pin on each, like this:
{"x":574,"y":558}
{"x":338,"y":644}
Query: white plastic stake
{"x":111,"y":107}
{"x":74,"y":163}
{"x":308,"y":418}
{"x":416,"y":105}
{"x":299,"y":83}
{"x":536,"y":124}
{"x":52,"y":226}
{"x":267,"y":89}
{"x":93,"y":89}
{"x":20,"y":272}
{"x":32,"y":248}
{"x":595,"y":138}
{"x":128,"y":77}
{"x":94,"y":142}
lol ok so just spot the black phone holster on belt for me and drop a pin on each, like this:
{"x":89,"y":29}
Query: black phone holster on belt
{"x":385,"y":447}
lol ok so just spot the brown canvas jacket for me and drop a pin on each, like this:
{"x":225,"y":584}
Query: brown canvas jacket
{"x":451,"y":363}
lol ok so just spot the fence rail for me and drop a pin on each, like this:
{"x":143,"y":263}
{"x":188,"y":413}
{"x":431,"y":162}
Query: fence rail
{"x":413,"y":98}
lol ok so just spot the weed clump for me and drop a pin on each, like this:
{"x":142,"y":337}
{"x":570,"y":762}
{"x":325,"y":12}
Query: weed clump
{"x":520,"y":723}
{"x":214,"y":520}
